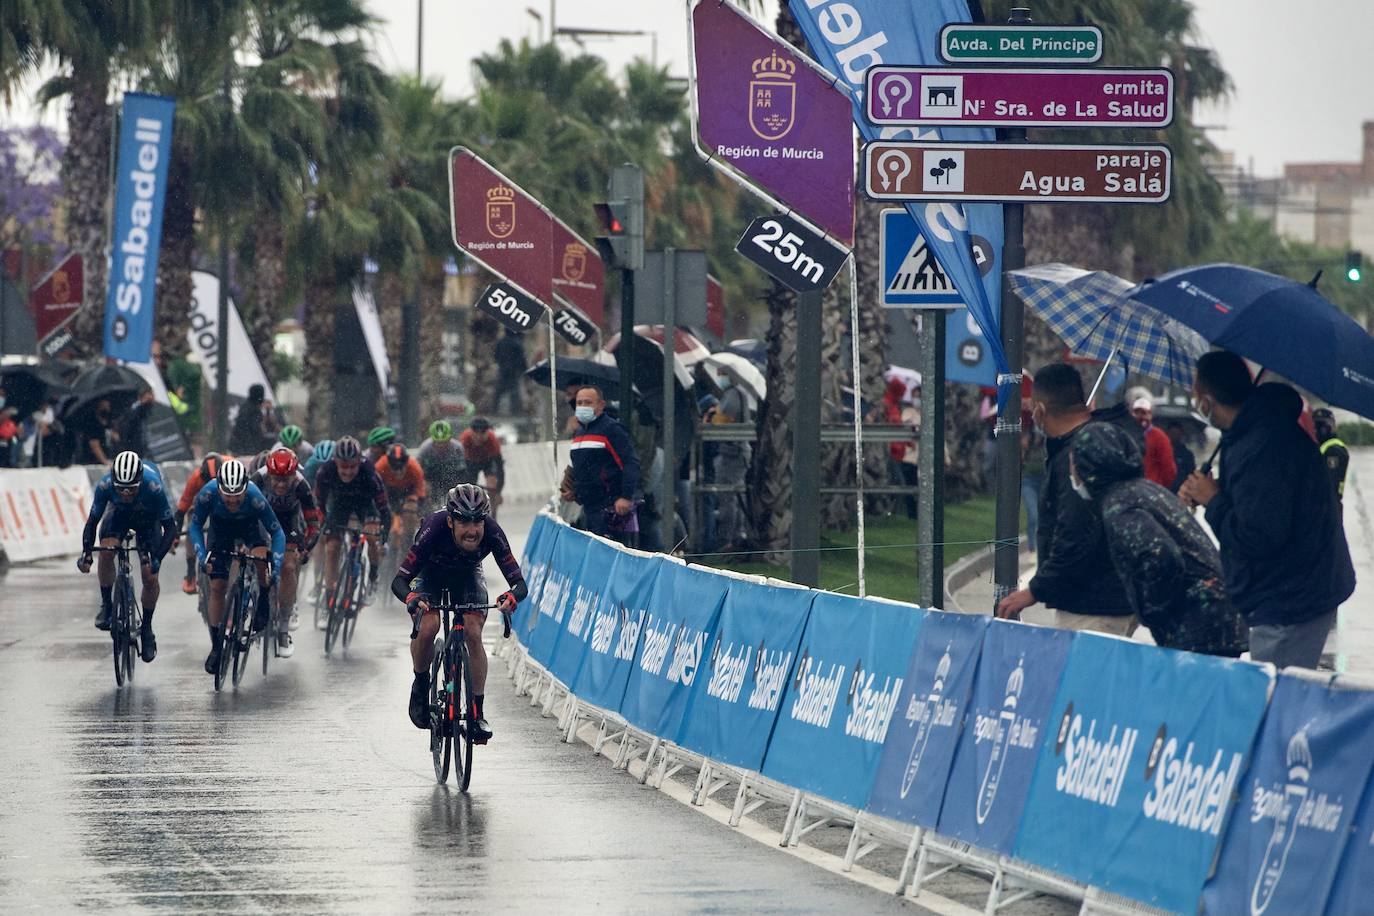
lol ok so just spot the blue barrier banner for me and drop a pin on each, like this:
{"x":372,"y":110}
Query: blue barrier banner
{"x":735,"y":704}
{"x":1350,"y":893}
{"x":534,"y":563}
{"x":145,"y":144}
{"x":1145,"y":749}
{"x":1297,"y":803}
{"x":616,"y":624}
{"x":684,"y":610}
{"x":914,"y":768}
{"x":555,"y":594}
{"x":1018,"y":678}
{"x":846,"y":39}
{"x":843,"y":697}
{"x":590,"y":581}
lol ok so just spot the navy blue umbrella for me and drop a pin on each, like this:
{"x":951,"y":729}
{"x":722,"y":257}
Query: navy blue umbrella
{"x":1287,"y":327}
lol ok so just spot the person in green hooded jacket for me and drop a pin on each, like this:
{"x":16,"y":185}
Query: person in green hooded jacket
{"x":1168,"y":564}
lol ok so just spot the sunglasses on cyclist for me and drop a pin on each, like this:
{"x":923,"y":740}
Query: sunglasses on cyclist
{"x":126,"y":490}
{"x":467,"y":518}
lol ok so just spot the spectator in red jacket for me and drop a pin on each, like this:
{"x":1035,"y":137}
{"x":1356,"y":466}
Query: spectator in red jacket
{"x":1159,"y":451}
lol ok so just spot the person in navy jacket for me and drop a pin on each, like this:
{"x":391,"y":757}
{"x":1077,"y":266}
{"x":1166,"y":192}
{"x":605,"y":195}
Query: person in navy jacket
{"x":605,"y":468}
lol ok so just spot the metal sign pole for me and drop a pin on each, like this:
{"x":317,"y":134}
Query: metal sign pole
{"x":1006,"y":565}
{"x":553,"y":406}
{"x":930,"y":484}
{"x":858,"y":414}
{"x":667,"y":494}
{"x":806,"y":443}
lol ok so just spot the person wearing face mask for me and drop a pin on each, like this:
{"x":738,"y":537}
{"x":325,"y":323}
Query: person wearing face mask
{"x":605,"y":467}
{"x":1169,"y":567}
{"x":1273,"y":511}
{"x":1075,"y":575}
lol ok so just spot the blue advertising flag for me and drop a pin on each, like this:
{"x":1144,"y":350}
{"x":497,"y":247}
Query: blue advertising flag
{"x":910,"y":784}
{"x":615,"y":627}
{"x":145,"y":143}
{"x":847,"y":38}
{"x":1018,"y":678}
{"x":1133,"y":784}
{"x":735,"y":704}
{"x":1297,"y":803}
{"x":591,"y":580}
{"x":555,"y":593}
{"x":837,"y":709}
{"x":683,"y":613}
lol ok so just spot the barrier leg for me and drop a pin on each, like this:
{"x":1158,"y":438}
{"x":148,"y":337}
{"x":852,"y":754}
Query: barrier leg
{"x":904,"y":877}
{"x":995,"y":893}
{"x":737,"y":813}
{"x":703,"y":781}
{"x":852,"y":850}
{"x":654,"y":747}
{"x":569,"y":721}
{"x":796,"y":810}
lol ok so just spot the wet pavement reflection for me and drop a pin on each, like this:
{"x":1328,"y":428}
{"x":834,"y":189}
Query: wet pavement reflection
{"x":309,"y":791}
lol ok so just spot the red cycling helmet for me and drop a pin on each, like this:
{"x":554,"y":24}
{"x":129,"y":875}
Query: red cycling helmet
{"x":282,"y":462}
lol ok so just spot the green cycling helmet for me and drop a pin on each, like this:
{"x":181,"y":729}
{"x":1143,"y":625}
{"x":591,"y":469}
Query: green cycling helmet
{"x":441,"y":430}
{"x":291,"y":436}
{"x":381,"y":436}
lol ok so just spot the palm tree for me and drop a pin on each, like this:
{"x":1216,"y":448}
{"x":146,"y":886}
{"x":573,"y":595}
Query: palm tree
{"x":289,"y":41}
{"x":90,"y":40}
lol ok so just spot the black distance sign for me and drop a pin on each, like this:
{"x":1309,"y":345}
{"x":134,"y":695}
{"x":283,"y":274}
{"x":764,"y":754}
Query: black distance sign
{"x":795,"y":256}
{"x":575,"y":329}
{"x":509,"y":306}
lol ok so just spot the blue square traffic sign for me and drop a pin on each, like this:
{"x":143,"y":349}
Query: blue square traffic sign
{"x":911,"y":277}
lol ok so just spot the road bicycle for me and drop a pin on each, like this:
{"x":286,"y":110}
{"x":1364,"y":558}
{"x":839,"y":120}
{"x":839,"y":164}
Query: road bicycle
{"x":236,"y":628}
{"x":126,"y":617}
{"x":350,"y":593}
{"x":451,"y":705}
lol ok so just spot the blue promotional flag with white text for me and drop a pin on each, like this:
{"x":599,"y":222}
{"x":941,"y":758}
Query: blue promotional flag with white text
{"x":847,"y":38}
{"x":145,"y":143}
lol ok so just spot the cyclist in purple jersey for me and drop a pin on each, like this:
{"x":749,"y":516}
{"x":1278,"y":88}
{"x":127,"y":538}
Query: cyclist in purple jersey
{"x":447,"y":557}
{"x":346,"y":487}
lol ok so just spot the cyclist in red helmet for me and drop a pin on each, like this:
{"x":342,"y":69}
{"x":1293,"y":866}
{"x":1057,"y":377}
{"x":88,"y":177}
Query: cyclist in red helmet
{"x":290,"y":497}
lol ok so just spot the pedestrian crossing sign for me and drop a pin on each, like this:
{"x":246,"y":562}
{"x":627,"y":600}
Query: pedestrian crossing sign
{"x":911,"y":277}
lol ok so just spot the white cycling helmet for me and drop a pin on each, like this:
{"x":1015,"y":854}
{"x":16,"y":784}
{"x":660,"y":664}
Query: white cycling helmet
{"x":127,"y":469}
{"x":233,"y":477}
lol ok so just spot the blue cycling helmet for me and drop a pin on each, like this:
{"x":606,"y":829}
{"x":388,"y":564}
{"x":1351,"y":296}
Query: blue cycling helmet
{"x":324,"y":450}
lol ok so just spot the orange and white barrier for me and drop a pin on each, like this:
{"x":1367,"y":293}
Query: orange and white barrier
{"x":42,"y":512}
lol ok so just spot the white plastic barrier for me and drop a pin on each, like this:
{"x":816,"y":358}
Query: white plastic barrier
{"x":42,"y":512}
{"x":530,"y":470}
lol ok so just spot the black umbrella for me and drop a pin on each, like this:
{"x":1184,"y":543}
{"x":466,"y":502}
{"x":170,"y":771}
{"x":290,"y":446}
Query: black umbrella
{"x":120,"y":385}
{"x":572,"y":370}
{"x":28,"y":387}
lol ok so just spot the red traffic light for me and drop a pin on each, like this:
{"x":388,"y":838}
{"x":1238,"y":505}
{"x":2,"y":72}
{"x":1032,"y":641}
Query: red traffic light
{"x":610,"y":222}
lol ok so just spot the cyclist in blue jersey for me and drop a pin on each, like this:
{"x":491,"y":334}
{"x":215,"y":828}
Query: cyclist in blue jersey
{"x":237,"y":512}
{"x":130,"y":497}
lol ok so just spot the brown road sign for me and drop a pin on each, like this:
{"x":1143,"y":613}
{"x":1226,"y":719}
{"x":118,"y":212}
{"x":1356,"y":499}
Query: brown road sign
{"x":1016,"y":172}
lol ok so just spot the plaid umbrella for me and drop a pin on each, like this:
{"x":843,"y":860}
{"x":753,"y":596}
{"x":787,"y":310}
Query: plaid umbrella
{"x":1093,"y":312}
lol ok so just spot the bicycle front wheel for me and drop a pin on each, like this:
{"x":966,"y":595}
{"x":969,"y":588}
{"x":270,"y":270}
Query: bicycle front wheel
{"x":467,"y":706}
{"x":243,"y":644}
{"x":440,"y":730}
{"x":128,"y":620}
{"x":227,"y":637}
{"x":117,"y":637}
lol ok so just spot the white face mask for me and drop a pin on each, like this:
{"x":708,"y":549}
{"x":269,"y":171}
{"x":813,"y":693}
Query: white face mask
{"x":585,"y":414}
{"x":1080,"y":488}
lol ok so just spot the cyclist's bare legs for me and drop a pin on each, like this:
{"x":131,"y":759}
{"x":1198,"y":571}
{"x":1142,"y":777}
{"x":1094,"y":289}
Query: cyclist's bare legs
{"x":477,"y":653}
{"x":373,"y":529}
{"x":214,"y":608}
{"x":286,"y":588}
{"x":151,"y":589}
{"x":422,"y":646}
{"x":331,"y":561}
{"x":104,"y":563}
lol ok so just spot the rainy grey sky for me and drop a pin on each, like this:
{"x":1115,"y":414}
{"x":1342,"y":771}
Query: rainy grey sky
{"x":1303,"y":72}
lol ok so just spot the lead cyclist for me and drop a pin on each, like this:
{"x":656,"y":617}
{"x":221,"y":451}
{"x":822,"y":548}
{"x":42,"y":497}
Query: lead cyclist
{"x":447,"y":557}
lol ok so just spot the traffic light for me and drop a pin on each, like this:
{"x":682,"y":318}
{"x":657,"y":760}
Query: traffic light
{"x":1353,"y":269}
{"x":621,"y":243}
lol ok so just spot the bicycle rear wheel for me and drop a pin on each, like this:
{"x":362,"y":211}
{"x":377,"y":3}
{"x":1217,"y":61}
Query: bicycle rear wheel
{"x":462,"y":688}
{"x":269,"y":636}
{"x":227,"y":636}
{"x":440,"y":734}
{"x":350,"y":621}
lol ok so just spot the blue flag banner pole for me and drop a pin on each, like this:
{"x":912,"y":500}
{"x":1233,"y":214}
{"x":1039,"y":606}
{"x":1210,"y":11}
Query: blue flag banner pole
{"x":145,"y":144}
{"x":847,"y":38}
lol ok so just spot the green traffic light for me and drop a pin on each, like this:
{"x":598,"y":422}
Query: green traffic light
{"x":1353,"y":275}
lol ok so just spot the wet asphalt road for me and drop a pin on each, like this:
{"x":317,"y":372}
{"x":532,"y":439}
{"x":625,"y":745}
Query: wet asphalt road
{"x":309,"y":791}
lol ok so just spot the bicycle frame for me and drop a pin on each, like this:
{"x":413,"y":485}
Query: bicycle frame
{"x":126,"y":617}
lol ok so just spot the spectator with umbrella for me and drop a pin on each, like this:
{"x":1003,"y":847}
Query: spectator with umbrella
{"x":1274,"y":512}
